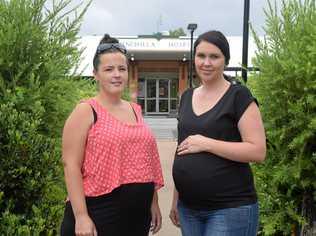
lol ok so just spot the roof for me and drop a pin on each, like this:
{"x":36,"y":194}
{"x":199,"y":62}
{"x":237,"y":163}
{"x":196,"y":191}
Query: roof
{"x":146,"y":48}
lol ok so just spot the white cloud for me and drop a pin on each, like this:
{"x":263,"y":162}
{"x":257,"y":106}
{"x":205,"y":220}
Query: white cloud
{"x":135,"y":17}
{"x":96,"y":19}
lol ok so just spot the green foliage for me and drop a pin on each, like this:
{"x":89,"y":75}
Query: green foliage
{"x":172,"y":34}
{"x":177,"y":33}
{"x":38,"y":54}
{"x":286,"y":89}
{"x":60,"y":104}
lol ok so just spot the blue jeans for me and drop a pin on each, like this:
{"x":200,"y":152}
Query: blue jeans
{"x":239,"y":221}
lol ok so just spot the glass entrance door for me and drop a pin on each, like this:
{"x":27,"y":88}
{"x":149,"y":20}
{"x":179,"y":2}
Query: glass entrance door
{"x":157,"y":96}
{"x":157,"y":100}
{"x":151,"y":96}
{"x":163,"y":95}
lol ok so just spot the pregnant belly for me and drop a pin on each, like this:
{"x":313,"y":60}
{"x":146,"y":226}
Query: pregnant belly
{"x":202,"y":176}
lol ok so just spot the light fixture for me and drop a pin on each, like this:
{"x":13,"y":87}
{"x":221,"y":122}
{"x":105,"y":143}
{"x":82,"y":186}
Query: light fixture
{"x":191,"y":27}
{"x":132,"y":57}
{"x":184,"y":59}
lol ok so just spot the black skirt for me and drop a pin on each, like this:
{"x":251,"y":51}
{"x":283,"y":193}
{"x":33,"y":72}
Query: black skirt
{"x":124,"y":211}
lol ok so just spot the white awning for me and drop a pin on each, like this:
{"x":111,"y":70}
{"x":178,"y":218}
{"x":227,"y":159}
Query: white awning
{"x":163,"y":49}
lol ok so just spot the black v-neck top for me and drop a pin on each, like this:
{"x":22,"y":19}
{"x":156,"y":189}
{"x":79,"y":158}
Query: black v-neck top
{"x":205,"y":180}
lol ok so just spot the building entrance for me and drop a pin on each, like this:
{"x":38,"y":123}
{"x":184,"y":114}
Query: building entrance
{"x":158,"y":96}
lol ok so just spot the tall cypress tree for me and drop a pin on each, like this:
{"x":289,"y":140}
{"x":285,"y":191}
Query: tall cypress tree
{"x":38,"y":52}
{"x":286,"y":88}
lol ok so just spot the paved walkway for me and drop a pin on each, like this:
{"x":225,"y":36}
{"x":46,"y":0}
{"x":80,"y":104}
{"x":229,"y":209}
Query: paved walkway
{"x":163,"y":128}
{"x":166,"y":151}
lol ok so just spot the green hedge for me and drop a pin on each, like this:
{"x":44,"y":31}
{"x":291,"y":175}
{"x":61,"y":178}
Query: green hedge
{"x":38,"y":51}
{"x":286,"y":89}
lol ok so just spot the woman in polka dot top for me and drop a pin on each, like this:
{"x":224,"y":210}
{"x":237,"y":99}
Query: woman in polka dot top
{"x":111,"y":163}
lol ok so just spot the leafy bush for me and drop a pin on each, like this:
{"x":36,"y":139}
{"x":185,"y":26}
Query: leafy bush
{"x":286,"y":88}
{"x":38,"y":51}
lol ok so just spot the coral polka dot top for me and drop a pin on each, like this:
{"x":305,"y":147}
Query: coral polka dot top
{"x":118,"y":153}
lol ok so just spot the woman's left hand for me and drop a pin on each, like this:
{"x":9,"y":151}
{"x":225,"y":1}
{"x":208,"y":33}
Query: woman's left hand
{"x":192,"y":144}
{"x":156,"y":218}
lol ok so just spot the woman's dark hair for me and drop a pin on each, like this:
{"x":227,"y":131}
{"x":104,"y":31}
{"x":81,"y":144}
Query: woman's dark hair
{"x":111,"y":45}
{"x":216,"y":38}
{"x":108,"y":39}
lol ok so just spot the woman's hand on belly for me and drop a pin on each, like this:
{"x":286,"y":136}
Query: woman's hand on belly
{"x":192,"y":144}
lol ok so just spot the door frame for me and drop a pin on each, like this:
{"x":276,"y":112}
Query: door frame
{"x":145,"y":80}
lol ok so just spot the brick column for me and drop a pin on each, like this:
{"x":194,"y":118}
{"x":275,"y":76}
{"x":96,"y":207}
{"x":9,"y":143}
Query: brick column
{"x":133,"y":80}
{"x":183,"y":77}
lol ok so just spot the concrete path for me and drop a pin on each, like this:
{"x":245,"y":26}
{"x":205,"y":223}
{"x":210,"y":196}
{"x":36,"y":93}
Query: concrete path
{"x":166,"y":150}
{"x":162,"y":127}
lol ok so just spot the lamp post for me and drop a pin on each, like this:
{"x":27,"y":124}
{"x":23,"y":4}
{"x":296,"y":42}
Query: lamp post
{"x":191,"y":27}
{"x":245,"y":41}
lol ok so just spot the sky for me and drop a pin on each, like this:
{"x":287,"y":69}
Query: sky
{"x":141,"y":17}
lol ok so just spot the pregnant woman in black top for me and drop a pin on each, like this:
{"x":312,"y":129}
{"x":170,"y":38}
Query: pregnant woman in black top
{"x":220,"y":132}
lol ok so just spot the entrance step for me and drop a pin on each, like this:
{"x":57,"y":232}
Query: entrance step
{"x":163,"y":127}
